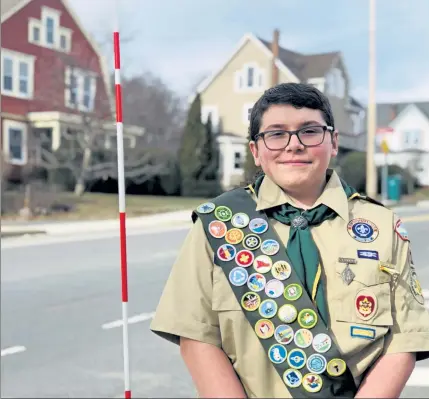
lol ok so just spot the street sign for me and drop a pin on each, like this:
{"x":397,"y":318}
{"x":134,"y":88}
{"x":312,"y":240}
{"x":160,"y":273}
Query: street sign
{"x":384,"y":146}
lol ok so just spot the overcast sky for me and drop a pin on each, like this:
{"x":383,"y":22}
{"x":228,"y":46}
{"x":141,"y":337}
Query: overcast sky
{"x":184,"y":40}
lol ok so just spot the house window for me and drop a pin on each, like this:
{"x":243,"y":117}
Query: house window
{"x":238,"y":160}
{"x":336,"y":84}
{"x":63,"y":42}
{"x":412,"y":138}
{"x":87,"y":92}
{"x":17,"y":74}
{"x":212,"y":112}
{"x":15,"y":142}
{"x":247,"y":110}
{"x":36,"y":34}
{"x":249,"y":78}
{"x":80,"y":89}
{"x":50,"y":30}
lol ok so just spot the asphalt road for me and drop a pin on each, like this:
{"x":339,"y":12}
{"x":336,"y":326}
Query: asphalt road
{"x":60,"y":300}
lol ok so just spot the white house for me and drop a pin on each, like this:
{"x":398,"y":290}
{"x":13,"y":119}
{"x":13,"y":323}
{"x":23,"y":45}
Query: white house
{"x":407,"y":137}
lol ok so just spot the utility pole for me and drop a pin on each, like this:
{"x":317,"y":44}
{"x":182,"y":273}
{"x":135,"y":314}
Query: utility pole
{"x":371,"y":172}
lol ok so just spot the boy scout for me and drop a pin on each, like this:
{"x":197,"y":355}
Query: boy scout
{"x":295,"y":286}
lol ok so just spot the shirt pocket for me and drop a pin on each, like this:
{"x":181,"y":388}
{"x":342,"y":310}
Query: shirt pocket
{"x":367,"y":299}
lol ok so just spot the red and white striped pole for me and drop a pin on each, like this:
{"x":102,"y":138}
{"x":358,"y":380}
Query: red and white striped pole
{"x":122,"y":214}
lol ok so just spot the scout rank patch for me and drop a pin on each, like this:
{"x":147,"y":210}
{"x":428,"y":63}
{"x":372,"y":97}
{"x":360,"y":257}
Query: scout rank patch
{"x":362,"y":230}
{"x":365,"y":304}
{"x":251,"y":301}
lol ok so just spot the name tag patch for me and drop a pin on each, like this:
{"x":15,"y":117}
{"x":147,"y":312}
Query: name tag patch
{"x":362,"y":332}
{"x":366,"y":254}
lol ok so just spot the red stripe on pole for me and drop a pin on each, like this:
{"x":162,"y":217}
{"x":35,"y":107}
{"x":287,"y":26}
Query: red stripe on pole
{"x":118,"y":103}
{"x":116,"y":50}
{"x":127,"y":394}
{"x":123,"y":257}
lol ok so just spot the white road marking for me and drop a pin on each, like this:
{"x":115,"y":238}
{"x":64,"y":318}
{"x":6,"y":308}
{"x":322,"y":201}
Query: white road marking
{"x":131,"y":320}
{"x":12,"y":350}
{"x":419,"y":377}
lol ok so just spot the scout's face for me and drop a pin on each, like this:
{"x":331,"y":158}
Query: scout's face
{"x":296,"y":166}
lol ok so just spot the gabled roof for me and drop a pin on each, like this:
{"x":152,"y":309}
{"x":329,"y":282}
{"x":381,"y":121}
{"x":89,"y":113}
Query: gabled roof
{"x":386,"y":113}
{"x":11,"y":7}
{"x":305,"y":66}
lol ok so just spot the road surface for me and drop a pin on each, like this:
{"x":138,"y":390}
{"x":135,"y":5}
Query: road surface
{"x":61,"y":305}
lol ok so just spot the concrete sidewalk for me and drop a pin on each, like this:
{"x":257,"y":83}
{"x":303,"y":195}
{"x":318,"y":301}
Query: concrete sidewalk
{"x":94,"y":226}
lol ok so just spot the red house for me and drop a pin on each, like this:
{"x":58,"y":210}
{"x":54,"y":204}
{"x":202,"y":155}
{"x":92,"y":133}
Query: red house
{"x":52,"y":76}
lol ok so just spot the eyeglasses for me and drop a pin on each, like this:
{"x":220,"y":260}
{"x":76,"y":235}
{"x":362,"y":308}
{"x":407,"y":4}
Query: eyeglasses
{"x":309,"y":136}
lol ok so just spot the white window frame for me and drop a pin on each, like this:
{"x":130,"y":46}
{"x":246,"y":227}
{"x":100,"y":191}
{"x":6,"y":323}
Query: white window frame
{"x":16,"y":59}
{"x":336,"y":84}
{"x":318,"y":83}
{"x":10,"y":124}
{"x":245,"y":112}
{"x":214,"y":111}
{"x":415,"y":137}
{"x":68,"y":35}
{"x":242,"y":160}
{"x":34,"y":23}
{"x":358,"y":119}
{"x":80,"y":75}
{"x":241,"y":78}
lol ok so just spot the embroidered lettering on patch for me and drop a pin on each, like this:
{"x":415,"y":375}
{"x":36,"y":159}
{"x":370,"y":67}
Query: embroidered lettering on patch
{"x":362,"y":332}
{"x":366,"y":254}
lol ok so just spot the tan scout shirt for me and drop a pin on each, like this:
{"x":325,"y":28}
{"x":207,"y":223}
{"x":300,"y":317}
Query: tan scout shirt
{"x":198,"y":302}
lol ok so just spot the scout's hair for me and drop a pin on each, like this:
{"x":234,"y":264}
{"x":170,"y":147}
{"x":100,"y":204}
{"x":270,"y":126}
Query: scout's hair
{"x":299,"y":95}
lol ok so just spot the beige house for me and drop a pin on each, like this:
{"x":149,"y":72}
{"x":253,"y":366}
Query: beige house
{"x":255,"y":65}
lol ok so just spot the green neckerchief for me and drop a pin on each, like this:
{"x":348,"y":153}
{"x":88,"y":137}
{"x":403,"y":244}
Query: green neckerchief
{"x":301,"y":247}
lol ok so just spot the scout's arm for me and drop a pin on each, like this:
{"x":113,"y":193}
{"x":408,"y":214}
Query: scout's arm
{"x":211,"y":370}
{"x":382,"y":382}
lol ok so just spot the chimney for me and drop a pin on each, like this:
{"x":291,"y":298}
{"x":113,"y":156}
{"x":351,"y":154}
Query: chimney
{"x":275,"y":50}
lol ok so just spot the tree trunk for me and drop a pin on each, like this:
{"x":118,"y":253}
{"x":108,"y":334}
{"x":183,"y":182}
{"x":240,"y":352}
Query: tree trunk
{"x":79,"y":188}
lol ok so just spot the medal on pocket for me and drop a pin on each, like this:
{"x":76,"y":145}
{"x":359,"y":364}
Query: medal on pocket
{"x":347,"y":274}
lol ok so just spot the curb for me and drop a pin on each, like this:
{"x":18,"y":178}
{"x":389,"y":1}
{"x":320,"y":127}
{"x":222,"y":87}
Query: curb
{"x":161,"y":219}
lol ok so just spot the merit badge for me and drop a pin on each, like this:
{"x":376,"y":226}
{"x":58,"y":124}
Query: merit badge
{"x":293,"y":292}
{"x":262,"y":264}
{"x":258,"y":225}
{"x":223,"y":213}
{"x":207,"y":207}
{"x":336,"y":367}
{"x":283,"y":334}
{"x":362,"y":230}
{"x":268,"y":308}
{"x":277,"y":353}
{"x":365,"y":304}
{"x":238,"y":276}
{"x":234,"y":236}
{"x":312,"y":382}
{"x":316,"y":363}
{"x":281,"y":270}
{"x":240,"y":220}
{"x":415,"y":287}
{"x":217,"y":229}
{"x":244,"y":258}
{"x":264,"y":328}
{"x":307,"y":318}
{"x":303,"y":338}
{"x":362,"y":332}
{"x":250,"y":301}
{"x":252,"y":242}
{"x":322,"y":343}
{"x":274,"y":288}
{"x":292,"y":378}
{"x":256,"y":282}
{"x":296,"y":358}
{"x":401,"y":230}
{"x":366,"y":254}
{"x":226,"y":252}
{"x":287,"y":313}
{"x":270,"y":247}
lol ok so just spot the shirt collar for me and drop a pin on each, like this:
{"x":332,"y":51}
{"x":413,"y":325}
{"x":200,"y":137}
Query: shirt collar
{"x":271,"y":195}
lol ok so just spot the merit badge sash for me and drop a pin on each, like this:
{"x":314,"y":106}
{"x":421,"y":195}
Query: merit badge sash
{"x":273,"y":298}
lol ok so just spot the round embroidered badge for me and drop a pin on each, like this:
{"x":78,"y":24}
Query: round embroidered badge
{"x":336,"y":367}
{"x":217,"y":229}
{"x":274,"y":288}
{"x":293,"y":292}
{"x":244,"y":258}
{"x":307,"y":318}
{"x":277,"y":353}
{"x":296,"y":358}
{"x":365,"y":304}
{"x":281,"y":270}
{"x":258,"y":225}
{"x":226,"y":252}
{"x":322,"y":343}
{"x":284,"y":334}
{"x":292,"y":378}
{"x":268,"y":308}
{"x":238,"y":276}
{"x":240,"y":220}
{"x":303,"y":338}
{"x":250,"y":301}
{"x":256,"y":282}
{"x":264,"y":328}
{"x":316,"y":363}
{"x":362,"y":230}
{"x":312,"y":382}
{"x":207,"y":207}
{"x":270,"y":247}
{"x":234,"y":236}
{"x":287,"y":313}
{"x":251,"y":242}
{"x":262,"y":264}
{"x":223,"y":213}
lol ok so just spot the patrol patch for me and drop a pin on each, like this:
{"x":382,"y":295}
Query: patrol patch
{"x":240,"y":220}
{"x":262,"y":264}
{"x":415,"y":287}
{"x":258,"y":225}
{"x":274,"y":288}
{"x":264,"y":328}
{"x":256,"y":282}
{"x":365,"y":304}
{"x":226,"y":252}
{"x":284,"y":334}
{"x":362,"y":230}
{"x":238,"y":276}
{"x":366,"y":254}
{"x":217,"y":229}
{"x":250,"y":301}
{"x":401,"y":231}
{"x":312,"y":382}
{"x":362,"y":332}
{"x":316,"y":363}
{"x":292,"y":378}
{"x":244,"y":258}
{"x":268,"y":308}
{"x":207,"y":207}
{"x":277,"y":353}
{"x":296,"y":358}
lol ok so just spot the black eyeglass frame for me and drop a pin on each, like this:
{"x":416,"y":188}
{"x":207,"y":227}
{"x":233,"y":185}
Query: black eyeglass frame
{"x":294,"y":133}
